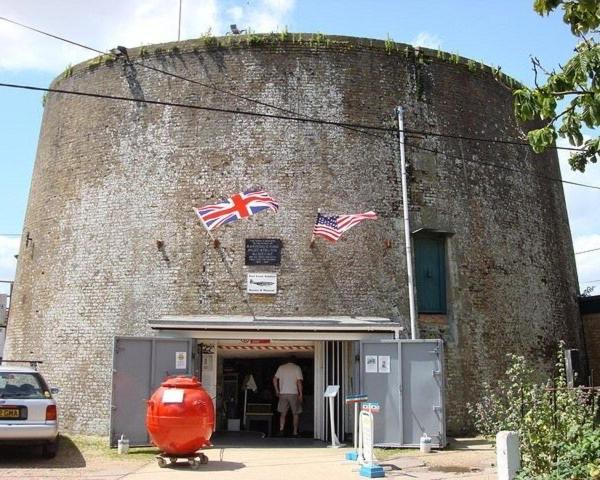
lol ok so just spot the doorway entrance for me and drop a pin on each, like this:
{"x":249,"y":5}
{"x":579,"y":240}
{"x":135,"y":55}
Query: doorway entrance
{"x":246,"y":399}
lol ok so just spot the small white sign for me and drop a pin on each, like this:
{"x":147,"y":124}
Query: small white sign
{"x":173,"y":395}
{"x":180,"y":360}
{"x":384,"y":364}
{"x":366,"y":429}
{"x":331,"y":391}
{"x":262,"y":283}
{"x":371,"y":363}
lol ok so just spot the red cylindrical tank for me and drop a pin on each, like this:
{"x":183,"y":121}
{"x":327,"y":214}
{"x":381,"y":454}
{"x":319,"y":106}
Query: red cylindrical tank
{"x":180,"y":418}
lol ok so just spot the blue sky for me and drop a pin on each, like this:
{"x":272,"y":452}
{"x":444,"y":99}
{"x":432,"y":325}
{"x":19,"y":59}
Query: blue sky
{"x":498,"y":32}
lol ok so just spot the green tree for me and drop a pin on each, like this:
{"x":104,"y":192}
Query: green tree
{"x":577,"y":82}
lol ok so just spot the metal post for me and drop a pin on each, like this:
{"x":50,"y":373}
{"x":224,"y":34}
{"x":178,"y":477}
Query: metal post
{"x":179,"y":23}
{"x":414,"y":333}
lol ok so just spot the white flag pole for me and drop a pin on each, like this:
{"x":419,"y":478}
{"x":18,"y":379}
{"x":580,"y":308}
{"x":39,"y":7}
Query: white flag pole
{"x":217,"y":246}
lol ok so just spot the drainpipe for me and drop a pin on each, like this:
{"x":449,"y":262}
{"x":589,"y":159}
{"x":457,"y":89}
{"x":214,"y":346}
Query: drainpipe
{"x":414,"y":333}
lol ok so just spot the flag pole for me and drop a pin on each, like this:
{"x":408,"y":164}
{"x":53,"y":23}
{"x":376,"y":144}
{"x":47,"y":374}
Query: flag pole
{"x":414,"y":333}
{"x":217,"y":246}
{"x":312,"y":239}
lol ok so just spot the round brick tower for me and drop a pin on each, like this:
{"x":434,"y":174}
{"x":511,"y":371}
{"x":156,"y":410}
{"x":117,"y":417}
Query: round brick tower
{"x":114,"y":242}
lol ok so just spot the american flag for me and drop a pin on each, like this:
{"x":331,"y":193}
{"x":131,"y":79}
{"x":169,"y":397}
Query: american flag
{"x":239,"y":205}
{"x":332,"y":227}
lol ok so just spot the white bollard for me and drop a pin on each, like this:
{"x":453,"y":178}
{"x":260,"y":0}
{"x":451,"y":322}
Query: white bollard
{"x":508,"y":457}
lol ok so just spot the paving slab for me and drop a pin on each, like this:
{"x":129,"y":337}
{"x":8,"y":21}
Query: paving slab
{"x":278,"y":459}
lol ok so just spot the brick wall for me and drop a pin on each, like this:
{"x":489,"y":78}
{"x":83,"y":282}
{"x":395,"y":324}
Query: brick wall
{"x":591,"y":327}
{"x":113,"y":178}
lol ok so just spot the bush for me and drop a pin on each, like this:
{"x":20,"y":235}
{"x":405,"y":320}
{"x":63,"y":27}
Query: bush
{"x":557,"y":425}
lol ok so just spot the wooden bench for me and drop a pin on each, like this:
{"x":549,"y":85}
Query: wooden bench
{"x":259,"y":412}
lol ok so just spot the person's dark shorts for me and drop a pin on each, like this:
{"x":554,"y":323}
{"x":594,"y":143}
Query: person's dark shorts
{"x":289,"y":401}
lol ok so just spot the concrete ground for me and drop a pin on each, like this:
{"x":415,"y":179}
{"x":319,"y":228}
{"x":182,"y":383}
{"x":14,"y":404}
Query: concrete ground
{"x":280,"y":459}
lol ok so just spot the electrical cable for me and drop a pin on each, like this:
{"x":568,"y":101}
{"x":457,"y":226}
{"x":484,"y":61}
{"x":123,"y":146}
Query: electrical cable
{"x":280,"y":117}
{"x":503,"y":167}
{"x":341,"y":124}
{"x":197,"y":107}
{"x":587,"y":251}
{"x":170,"y":74}
{"x":348,"y":126}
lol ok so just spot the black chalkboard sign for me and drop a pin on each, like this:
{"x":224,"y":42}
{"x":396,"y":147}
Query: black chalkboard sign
{"x":263,"y":251}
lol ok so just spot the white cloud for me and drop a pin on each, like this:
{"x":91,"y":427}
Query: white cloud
{"x":583,"y":216}
{"x":427,"y":40}
{"x":9,"y":247}
{"x":236,"y":13}
{"x":268,"y":16}
{"x":104,"y":25}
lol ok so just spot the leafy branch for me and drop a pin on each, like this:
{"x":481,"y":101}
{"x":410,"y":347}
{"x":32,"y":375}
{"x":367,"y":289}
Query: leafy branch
{"x":577,"y":82}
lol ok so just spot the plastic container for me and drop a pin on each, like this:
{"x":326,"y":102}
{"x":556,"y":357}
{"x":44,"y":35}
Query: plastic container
{"x":123,"y":445}
{"x":425,"y":443}
{"x":180,"y":417}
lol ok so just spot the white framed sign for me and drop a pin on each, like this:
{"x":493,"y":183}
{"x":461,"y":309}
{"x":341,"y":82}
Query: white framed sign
{"x":261,"y":283}
{"x":371,"y":363}
{"x":180,"y":360}
{"x":384,"y":363}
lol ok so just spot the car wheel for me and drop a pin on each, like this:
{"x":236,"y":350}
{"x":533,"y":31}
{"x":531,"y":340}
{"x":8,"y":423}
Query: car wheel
{"x":50,"y":449}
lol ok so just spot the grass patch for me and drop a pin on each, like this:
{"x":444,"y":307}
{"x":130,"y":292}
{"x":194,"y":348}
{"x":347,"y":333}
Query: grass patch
{"x":383,"y":454}
{"x":98,"y":446}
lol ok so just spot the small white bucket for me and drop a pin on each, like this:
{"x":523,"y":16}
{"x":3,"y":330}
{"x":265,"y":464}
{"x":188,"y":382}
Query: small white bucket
{"x":425,"y":444}
{"x":123,"y":445}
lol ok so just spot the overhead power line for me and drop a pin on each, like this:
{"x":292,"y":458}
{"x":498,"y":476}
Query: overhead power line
{"x":198,"y":107}
{"x":279,"y":117}
{"x":502,"y":167}
{"x":258,"y":102}
{"x":170,"y":74}
{"x":587,"y":251}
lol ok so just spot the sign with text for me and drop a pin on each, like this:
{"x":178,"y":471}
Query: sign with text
{"x":263,"y":251}
{"x":262,"y":283}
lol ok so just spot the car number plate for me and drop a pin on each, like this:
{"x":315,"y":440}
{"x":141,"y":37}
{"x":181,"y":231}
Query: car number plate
{"x":10,"y":412}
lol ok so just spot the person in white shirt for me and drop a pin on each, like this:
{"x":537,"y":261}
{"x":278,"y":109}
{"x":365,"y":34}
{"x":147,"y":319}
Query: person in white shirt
{"x":288,"y":388}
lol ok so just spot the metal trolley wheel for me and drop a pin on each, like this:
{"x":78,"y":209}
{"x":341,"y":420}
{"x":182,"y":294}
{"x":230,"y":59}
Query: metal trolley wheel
{"x":194,"y":462}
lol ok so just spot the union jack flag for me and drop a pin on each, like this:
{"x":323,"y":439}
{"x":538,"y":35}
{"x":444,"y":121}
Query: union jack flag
{"x":239,"y":205}
{"x":332,"y":227}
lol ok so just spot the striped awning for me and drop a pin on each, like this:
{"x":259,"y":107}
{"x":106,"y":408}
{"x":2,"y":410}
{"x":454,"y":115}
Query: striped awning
{"x":270,"y":348}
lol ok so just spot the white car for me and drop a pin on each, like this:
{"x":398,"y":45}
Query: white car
{"x":28,"y":414}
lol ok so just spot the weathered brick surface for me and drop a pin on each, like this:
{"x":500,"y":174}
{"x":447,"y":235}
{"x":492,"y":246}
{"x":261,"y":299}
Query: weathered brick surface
{"x":591,"y":327}
{"x":112,"y":178}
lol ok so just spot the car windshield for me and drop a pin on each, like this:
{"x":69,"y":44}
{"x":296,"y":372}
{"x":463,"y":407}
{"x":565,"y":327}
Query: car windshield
{"x":22,"y":385}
